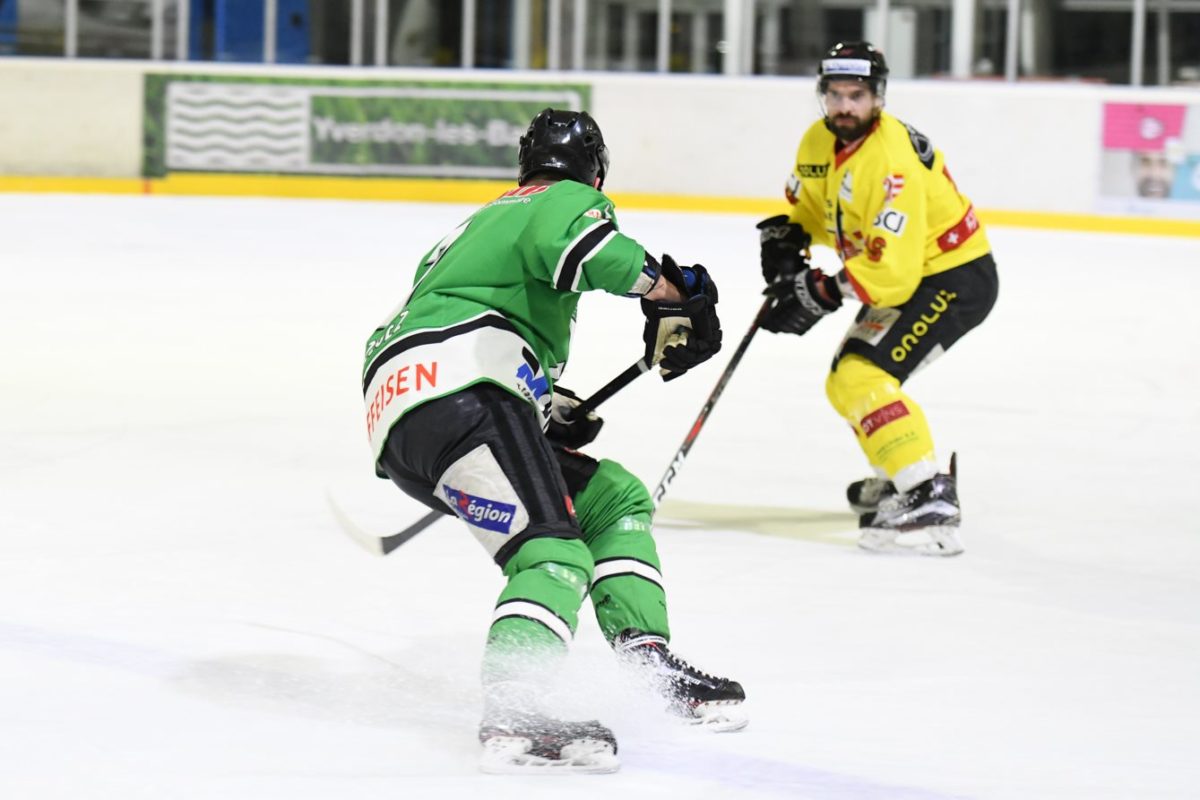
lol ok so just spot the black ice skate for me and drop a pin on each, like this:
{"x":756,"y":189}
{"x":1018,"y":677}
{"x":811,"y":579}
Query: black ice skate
{"x":524,"y":743}
{"x":695,"y":696}
{"x":864,"y":496}
{"x":923,"y":521}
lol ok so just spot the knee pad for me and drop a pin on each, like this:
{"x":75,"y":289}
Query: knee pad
{"x":857,"y":386}
{"x":567,"y":560}
{"x":611,"y":494}
{"x":547,"y":581}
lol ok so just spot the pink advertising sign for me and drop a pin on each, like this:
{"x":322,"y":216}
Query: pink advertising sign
{"x":1150,"y":159}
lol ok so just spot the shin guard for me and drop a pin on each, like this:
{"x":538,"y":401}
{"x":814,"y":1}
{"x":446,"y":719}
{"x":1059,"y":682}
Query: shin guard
{"x":614,"y":511}
{"x":889,"y":426}
{"x":538,"y":611}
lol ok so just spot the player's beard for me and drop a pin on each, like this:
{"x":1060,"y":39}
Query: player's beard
{"x":849,"y":128}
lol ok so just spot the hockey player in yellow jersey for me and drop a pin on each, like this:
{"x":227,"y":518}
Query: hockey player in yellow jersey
{"x":914,"y":255}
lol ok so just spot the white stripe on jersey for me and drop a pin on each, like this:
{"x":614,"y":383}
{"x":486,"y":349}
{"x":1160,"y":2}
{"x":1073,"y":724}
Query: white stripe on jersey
{"x":624,"y":566}
{"x":523,"y":608}
{"x":600,"y":246}
{"x":569,"y":249}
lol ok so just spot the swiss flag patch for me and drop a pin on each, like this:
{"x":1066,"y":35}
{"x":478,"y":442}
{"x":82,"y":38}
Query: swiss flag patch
{"x":892,"y":186}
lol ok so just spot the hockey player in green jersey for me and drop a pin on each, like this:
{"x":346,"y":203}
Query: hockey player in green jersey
{"x":460,"y":389}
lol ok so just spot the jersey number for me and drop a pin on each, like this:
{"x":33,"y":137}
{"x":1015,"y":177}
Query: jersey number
{"x":445,"y":244}
{"x":435,"y":255}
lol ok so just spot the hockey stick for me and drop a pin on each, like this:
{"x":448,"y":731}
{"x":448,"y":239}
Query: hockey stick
{"x":382,"y":545}
{"x":690,"y":439}
{"x":609,"y":389}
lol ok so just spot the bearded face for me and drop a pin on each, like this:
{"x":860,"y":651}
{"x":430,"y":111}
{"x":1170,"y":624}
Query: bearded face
{"x":851,"y":108}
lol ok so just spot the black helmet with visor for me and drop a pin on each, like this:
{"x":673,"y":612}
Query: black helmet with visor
{"x":854,"y":61}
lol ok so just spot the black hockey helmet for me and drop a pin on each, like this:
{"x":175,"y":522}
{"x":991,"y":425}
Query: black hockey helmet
{"x":566,"y":143}
{"x":854,"y":61}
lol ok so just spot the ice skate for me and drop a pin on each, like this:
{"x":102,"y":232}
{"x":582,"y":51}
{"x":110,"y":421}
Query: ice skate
{"x":923,"y":521}
{"x":864,"y":496}
{"x":696,"y":697}
{"x":521,"y":743}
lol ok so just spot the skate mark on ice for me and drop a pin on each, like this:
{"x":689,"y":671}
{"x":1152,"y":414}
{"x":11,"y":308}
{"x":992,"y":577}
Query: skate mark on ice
{"x":838,"y":528}
{"x":402,"y":690}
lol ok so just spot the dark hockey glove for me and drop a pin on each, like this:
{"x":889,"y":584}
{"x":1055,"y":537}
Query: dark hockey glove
{"x":680,"y":335}
{"x":783,"y":248}
{"x":564,"y":429}
{"x":799,"y":302}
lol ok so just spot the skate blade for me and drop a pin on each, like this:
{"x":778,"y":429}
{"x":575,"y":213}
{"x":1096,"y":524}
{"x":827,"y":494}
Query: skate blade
{"x":935,"y":540}
{"x":725,"y":717}
{"x":509,"y":755}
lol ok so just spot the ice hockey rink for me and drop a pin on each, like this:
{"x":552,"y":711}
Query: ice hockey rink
{"x":181,"y":616}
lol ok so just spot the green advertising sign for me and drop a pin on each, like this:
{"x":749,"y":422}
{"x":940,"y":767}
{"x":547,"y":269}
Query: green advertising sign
{"x":433,"y":129}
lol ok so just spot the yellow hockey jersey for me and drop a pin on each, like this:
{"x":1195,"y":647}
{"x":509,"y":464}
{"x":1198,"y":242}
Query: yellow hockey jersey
{"x":887,"y":204}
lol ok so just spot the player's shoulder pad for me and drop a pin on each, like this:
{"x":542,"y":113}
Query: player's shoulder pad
{"x":592,"y":202}
{"x":905,"y":143}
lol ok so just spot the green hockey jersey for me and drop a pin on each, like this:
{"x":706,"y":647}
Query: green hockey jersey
{"x":495,"y":301}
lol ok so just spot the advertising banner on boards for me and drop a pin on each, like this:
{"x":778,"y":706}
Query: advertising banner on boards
{"x":1150,"y":159}
{"x":207,"y":123}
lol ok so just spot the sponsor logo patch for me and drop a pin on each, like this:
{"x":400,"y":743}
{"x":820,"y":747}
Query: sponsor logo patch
{"x":846,"y":66}
{"x":874,"y":325}
{"x":536,"y":384}
{"x":922,"y":326}
{"x":792,"y":190}
{"x":846,"y":190}
{"x":812,"y":170}
{"x":882,"y":416}
{"x":404,"y":379}
{"x":875,"y":247}
{"x":521,"y":194}
{"x":491,"y":515}
{"x":891,"y":220}
{"x":850,"y":246}
{"x":525,"y":191}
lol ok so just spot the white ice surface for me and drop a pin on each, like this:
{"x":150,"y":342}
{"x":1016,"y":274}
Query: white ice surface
{"x":181,"y":617}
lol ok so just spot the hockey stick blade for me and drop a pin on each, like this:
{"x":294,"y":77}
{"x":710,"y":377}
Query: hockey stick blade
{"x":390,"y":543}
{"x":681,"y":454}
{"x":372,"y":543}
